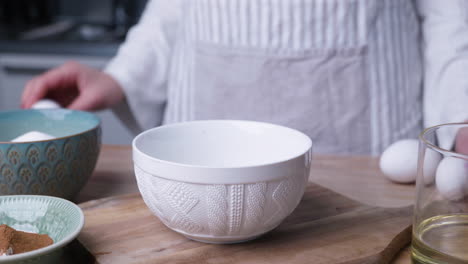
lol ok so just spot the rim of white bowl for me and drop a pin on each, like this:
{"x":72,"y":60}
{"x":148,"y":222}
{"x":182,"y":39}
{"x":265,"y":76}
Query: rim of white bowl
{"x":56,"y":245}
{"x":268,"y":171}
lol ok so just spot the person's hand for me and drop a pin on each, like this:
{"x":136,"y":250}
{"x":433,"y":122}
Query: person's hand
{"x":74,"y":86}
{"x":461,"y":141}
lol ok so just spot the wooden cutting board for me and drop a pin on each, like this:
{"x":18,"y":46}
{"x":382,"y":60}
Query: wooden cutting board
{"x":325,"y":228}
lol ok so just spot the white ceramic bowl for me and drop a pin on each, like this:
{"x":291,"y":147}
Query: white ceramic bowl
{"x":222,"y":181}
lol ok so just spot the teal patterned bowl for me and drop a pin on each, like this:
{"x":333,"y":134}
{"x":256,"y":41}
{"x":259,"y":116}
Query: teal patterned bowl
{"x":60,"y":219}
{"x":57,"y":167}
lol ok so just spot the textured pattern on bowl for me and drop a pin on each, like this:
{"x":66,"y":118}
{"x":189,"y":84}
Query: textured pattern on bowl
{"x":218,"y":213}
{"x":58,"y":218}
{"x":58,"y":167}
{"x":222,"y":181}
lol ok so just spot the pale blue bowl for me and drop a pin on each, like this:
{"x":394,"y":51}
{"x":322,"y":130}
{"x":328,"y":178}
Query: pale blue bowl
{"x":58,"y":167}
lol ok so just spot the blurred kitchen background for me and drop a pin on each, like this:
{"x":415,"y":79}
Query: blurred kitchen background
{"x":37,"y":35}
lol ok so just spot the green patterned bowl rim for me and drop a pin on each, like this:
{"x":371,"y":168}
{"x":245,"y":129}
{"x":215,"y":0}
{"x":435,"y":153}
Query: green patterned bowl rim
{"x":97,"y":119}
{"x":56,"y":245}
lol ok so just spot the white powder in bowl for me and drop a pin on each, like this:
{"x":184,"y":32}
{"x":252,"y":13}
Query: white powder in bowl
{"x":32,"y":136}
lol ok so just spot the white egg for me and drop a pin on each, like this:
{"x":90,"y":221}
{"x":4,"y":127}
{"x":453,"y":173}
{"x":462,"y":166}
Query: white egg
{"x":432,"y":159}
{"x":400,"y":160}
{"x":32,"y":136}
{"x":45,"y":104}
{"x":451,"y":178}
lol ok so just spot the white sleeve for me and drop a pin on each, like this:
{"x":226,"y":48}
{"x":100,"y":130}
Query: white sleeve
{"x":445,"y":34}
{"x":141,"y":65}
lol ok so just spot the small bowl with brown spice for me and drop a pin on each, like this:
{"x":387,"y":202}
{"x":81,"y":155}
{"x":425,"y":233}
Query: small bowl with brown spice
{"x":34,"y":228}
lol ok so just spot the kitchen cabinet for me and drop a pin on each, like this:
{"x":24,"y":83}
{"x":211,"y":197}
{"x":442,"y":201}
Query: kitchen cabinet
{"x":17,"y":68}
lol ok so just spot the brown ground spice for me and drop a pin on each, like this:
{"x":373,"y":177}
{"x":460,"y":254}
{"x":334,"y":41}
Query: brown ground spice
{"x":20,"y":241}
{"x":6,"y":234}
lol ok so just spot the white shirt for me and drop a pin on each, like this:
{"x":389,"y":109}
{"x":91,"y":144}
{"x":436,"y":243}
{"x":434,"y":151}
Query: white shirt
{"x":352,"y":74}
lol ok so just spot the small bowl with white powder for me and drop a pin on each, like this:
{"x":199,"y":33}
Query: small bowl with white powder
{"x":47,"y":151}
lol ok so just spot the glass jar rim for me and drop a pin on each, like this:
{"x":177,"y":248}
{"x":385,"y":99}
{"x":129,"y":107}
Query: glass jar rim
{"x":443,"y":151}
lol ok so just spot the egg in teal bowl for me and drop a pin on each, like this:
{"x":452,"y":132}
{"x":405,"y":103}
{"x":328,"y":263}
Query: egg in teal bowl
{"x":56,"y":167}
{"x":58,"y":218}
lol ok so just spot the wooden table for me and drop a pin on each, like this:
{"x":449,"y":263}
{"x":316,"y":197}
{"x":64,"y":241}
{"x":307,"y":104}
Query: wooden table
{"x":356,"y":177}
